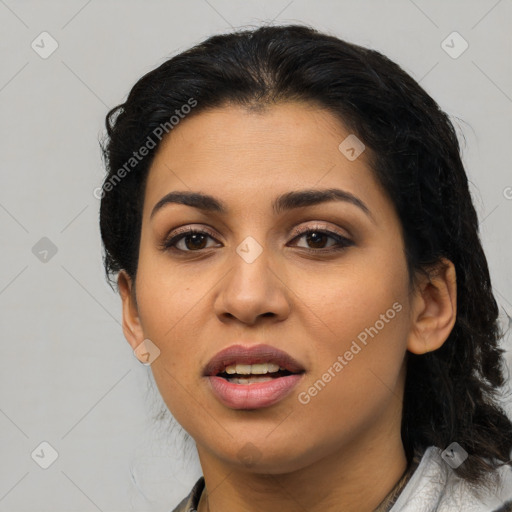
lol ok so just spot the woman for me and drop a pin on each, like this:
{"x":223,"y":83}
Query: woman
{"x":298,"y":258}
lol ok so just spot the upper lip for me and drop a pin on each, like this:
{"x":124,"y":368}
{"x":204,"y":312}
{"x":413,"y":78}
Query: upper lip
{"x":241,"y":354}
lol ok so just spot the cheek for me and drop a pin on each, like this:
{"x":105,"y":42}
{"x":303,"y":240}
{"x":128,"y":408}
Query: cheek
{"x":172,"y":316}
{"x":356,"y":379}
{"x":166,"y":310}
{"x":166,"y":296}
{"x":361,"y":343}
{"x":366,"y":290}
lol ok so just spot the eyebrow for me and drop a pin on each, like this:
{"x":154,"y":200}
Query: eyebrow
{"x":285,"y":202}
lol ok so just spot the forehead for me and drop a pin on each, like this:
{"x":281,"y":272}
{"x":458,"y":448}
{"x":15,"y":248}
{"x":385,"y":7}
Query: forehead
{"x":242,"y":154}
{"x":286,"y":131}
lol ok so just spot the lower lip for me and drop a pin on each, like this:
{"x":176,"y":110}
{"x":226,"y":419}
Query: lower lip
{"x":253,"y":396}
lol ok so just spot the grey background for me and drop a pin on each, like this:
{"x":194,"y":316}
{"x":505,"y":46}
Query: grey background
{"x":67,"y":375}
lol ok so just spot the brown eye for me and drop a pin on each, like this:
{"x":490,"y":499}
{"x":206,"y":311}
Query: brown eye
{"x":316,"y":239}
{"x":193,"y":240}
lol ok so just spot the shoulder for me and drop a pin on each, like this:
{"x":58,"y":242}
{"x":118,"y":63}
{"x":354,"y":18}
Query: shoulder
{"x":434,"y":486}
{"x":190,"y":502}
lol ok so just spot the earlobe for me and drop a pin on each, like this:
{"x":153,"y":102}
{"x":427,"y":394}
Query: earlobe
{"x":132,"y":327}
{"x":434,"y":309}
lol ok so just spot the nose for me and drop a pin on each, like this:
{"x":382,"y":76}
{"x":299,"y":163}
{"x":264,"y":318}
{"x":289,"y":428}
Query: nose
{"x":252,"y":289}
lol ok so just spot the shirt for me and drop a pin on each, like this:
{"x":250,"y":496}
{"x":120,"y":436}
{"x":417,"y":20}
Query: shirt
{"x":427,"y":485}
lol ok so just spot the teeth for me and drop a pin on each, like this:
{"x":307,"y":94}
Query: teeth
{"x":256,"y":369}
{"x":249,"y":380}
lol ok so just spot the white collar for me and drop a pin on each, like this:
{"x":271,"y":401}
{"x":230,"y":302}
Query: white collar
{"x":435,"y":487}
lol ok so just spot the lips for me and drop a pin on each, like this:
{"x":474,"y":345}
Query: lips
{"x":250,"y":391}
{"x":240,"y":354}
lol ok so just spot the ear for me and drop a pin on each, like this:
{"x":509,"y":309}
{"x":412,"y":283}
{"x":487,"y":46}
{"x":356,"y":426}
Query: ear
{"x":132,"y":327}
{"x":434,"y":309}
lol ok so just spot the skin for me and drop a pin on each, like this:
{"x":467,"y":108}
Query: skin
{"x":342,"y":450}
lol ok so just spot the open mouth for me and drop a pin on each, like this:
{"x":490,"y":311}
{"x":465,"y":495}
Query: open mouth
{"x":239,"y":364}
{"x":252,"y":377}
{"x":249,"y":374}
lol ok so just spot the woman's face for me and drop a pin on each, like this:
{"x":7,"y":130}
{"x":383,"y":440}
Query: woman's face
{"x":339,"y":308}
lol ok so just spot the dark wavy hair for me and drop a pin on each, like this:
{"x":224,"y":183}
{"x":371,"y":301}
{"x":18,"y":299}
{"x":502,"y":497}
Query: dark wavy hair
{"x":451,"y":394}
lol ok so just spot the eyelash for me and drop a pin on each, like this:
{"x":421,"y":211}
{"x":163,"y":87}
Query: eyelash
{"x":343,"y":242}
